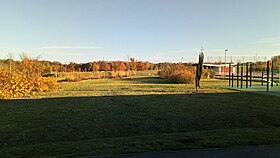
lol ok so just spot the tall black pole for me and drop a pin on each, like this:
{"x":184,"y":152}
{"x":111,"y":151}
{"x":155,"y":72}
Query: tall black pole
{"x":241,"y":84}
{"x":237,"y":73}
{"x":232,"y":77}
{"x":272,"y":73}
{"x":267,"y":75}
{"x":250,"y":75}
{"x":229,"y":74}
{"x":247,"y":75}
{"x":262,"y":77}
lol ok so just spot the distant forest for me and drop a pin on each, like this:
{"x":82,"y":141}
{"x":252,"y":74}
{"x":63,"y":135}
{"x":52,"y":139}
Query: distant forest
{"x":134,"y":65}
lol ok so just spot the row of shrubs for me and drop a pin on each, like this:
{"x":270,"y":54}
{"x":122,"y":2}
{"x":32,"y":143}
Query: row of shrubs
{"x":180,"y":73}
{"x":76,"y":77}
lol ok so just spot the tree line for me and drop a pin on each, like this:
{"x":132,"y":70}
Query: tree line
{"x":47,"y":67}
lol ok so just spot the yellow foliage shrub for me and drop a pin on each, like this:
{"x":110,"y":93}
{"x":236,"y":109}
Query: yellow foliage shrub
{"x":16,"y":85}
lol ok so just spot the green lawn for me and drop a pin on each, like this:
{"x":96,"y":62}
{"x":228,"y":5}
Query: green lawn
{"x":65,"y":75}
{"x":111,"y":116}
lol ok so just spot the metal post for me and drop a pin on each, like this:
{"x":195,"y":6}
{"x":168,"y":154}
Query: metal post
{"x":247,"y":75}
{"x":229,"y":74}
{"x":232,"y":77}
{"x":225,"y":56}
{"x":267,"y":75}
{"x":237,"y":73}
{"x":262,"y":77}
{"x":250,"y":75}
{"x":225,"y":62}
{"x":271,"y":73}
{"x":241,"y":84}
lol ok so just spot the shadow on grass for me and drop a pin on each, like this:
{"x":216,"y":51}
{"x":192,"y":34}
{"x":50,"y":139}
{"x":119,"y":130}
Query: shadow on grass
{"x":82,"y":126}
{"x":152,"y":80}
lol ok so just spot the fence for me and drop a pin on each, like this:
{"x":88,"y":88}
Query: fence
{"x":234,"y":59}
{"x":244,"y":72}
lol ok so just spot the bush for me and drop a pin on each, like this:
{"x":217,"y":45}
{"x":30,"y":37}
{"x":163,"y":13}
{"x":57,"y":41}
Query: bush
{"x":25,"y":80}
{"x":212,"y":73}
{"x":127,"y":74}
{"x":118,"y":74}
{"x":208,"y":73}
{"x":182,"y":76}
{"x":16,"y":86}
{"x":112,"y":74}
{"x":177,"y":73}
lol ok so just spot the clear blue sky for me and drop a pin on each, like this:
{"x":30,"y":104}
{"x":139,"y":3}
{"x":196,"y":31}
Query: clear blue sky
{"x":155,"y":30}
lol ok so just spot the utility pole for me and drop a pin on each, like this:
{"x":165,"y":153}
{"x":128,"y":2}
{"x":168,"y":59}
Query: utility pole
{"x":225,"y":62}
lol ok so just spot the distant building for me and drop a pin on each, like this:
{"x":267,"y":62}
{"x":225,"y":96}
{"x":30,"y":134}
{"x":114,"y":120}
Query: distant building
{"x":220,"y":69}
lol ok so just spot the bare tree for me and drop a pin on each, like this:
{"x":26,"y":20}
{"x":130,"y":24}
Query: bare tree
{"x":10,"y":58}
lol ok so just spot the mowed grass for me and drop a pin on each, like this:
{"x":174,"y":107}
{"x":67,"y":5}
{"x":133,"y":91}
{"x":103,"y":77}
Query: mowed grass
{"x":132,"y":86}
{"x":65,"y":75}
{"x":113,"y":116}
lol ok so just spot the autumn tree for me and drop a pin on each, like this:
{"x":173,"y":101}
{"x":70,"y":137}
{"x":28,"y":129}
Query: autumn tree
{"x":114,"y":65}
{"x":118,"y":66}
{"x":86,"y":67}
{"x":276,"y":61}
{"x":141,"y":66}
{"x":46,"y":67}
{"x":147,"y":65}
{"x":132,"y":64}
{"x":259,"y":65}
{"x":30,"y":67}
{"x":127,"y":65}
{"x":71,"y":67}
{"x":94,"y":67}
{"x":102,"y":65}
{"x":107,"y":67}
{"x":56,"y":67}
{"x":77,"y":67}
{"x":122,"y":67}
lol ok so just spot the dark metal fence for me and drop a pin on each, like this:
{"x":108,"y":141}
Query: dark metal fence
{"x":270,"y":75}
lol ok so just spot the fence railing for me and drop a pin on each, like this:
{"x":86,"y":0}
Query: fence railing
{"x":234,"y":59}
{"x":270,"y":75}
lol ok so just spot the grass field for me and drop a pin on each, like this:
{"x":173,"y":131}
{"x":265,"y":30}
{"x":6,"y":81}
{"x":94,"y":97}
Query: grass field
{"x":111,"y":116}
{"x":65,"y":75}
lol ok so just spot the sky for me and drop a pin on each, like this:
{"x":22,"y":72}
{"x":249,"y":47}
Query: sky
{"x":153,"y":30}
